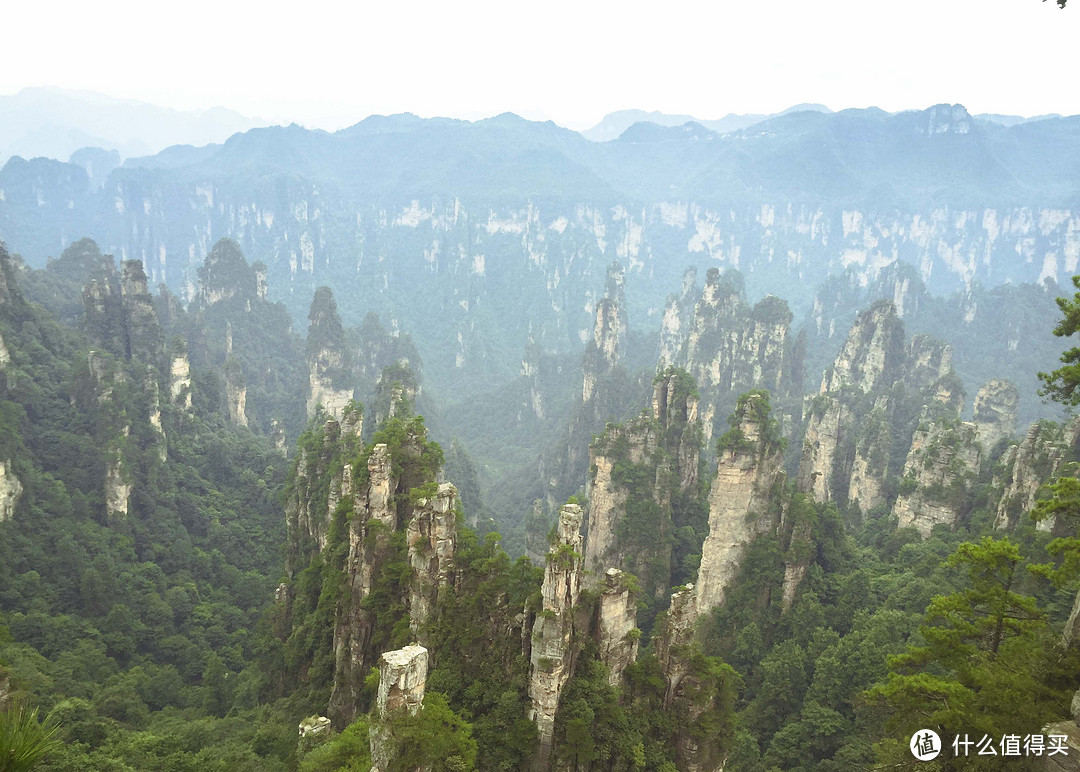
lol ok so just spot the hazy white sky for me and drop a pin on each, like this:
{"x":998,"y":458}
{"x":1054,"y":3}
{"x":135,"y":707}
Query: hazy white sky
{"x":329,"y":64}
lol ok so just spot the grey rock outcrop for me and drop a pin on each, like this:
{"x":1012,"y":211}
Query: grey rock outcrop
{"x":552,"y":659}
{"x":616,"y":625}
{"x":180,"y":380}
{"x":853,"y":422}
{"x":1030,"y":465}
{"x":748,"y":469}
{"x":941,"y":467}
{"x":11,"y":491}
{"x":607,"y":347}
{"x":431,"y":536}
{"x":995,"y":412}
{"x":402,"y":681}
{"x":643,"y":462}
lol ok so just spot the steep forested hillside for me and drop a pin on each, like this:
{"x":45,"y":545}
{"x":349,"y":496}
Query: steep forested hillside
{"x":227,"y":546}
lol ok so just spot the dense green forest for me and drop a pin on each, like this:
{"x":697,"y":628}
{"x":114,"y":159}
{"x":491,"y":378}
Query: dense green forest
{"x":195,"y":568}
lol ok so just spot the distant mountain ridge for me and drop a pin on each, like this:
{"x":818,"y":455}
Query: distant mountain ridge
{"x":612,"y":125}
{"x":54,"y":123}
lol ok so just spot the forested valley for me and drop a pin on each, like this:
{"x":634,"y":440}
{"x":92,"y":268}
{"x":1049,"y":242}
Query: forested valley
{"x":228,"y":546}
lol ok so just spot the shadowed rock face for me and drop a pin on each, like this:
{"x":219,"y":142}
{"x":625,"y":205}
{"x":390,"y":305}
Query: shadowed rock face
{"x":995,"y":412}
{"x":852,"y":425}
{"x":1028,"y":466}
{"x":552,"y":662}
{"x":431,"y":536}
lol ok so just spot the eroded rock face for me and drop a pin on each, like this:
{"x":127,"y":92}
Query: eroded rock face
{"x":431,"y":536}
{"x":871,"y":354}
{"x":995,"y":412}
{"x":552,"y":661}
{"x":852,"y":422}
{"x":236,"y":396}
{"x":321,"y":389}
{"x":607,"y":346}
{"x":143,"y":332}
{"x":180,"y":380}
{"x":732,"y":347}
{"x":941,"y":466}
{"x":117,"y":489}
{"x":607,"y":498}
{"x":11,"y":491}
{"x":746,"y":473}
{"x":374,"y":520}
{"x":1029,"y":466}
{"x":674,"y":637}
{"x":616,"y":625}
{"x":307,"y":518}
{"x":402,"y":680}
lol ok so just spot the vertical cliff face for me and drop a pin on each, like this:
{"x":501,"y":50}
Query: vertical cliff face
{"x":145,"y":341}
{"x":871,"y":354}
{"x":621,"y":447}
{"x":731,"y":347}
{"x":117,"y":488}
{"x":180,"y":380}
{"x":11,"y":491}
{"x":861,"y":416}
{"x":748,"y":468}
{"x":402,"y":681}
{"x":431,"y":536}
{"x":941,"y":467}
{"x":327,"y":357}
{"x":1030,"y":465}
{"x":692,"y":688}
{"x":636,"y":470}
{"x":995,"y":412}
{"x":616,"y":624}
{"x":236,"y":392}
{"x":373,"y":521}
{"x":552,"y":660}
{"x":676,"y":323}
{"x":307,"y":515}
{"x":607,"y":347}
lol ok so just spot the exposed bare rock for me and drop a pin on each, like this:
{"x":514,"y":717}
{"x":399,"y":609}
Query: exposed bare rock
{"x":402,"y":680}
{"x":632,"y":444}
{"x":635,"y":470}
{"x":552,"y":661}
{"x":431,"y":536}
{"x":5,"y":355}
{"x":871,"y":354}
{"x":313,"y":726}
{"x":732,"y":347}
{"x":236,"y":393}
{"x":995,"y":412}
{"x":940,"y":469}
{"x":11,"y":491}
{"x":871,"y":462}
{"x":1030,"y":465}
{"x":689,"y":690}
{"x":676,"y":323}
{"x":117,"y":487}
{"x":617,"y":634}
{"x":749,"y":466}
{"x":673,"y":638}
{"x":853,"y":422}
{"x":180,"y":380}
{"x":144,"y":337}
{"x":607,"y":347}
